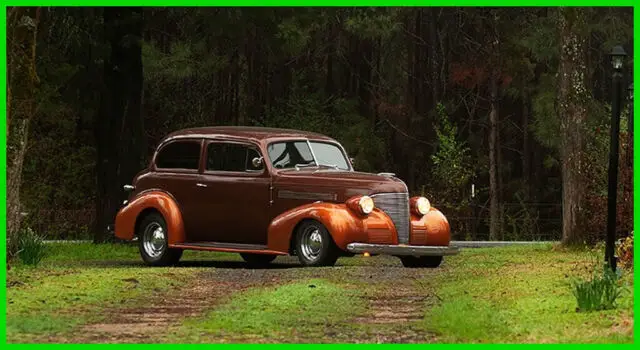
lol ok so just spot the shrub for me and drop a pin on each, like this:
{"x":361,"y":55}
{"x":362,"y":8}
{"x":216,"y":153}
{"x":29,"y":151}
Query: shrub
{"x":625,"y":252}
{"x":599,"y":293}
{"x":31,"y":247}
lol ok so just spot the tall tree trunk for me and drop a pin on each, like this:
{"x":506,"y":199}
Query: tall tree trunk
{"x":22,"y":71}
{"x":494,"y":205}
{"x":572,"y":99}
{"x":526,"y":152}
{"x":119,"y":129}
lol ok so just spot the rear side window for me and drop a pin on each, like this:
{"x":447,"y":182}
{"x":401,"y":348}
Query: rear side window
{"x":179,"y":155}
{"x":231,"y":157}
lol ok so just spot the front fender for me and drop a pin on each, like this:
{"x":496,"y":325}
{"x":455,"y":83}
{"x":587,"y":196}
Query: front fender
{"x":128,"y":216}
{"x":343,"y":224}
{"x":431,"y":229}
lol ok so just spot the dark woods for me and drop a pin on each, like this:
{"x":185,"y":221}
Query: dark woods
{"x":511,"y":101}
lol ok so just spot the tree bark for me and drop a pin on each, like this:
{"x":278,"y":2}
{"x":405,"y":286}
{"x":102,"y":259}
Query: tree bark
{"x":494,"y":205}
{"x":526,"y":149}
{"x":119,"y":128}
{"x":495,"y":178}
{"x":572,"y":98}
{"x":22,"y":71}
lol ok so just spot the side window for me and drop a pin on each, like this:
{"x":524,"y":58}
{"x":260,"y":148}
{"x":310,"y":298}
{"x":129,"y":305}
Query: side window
{"x":179,"y":155}
{"x":231,"y":157}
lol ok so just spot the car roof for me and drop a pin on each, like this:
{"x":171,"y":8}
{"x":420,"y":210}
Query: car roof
{"x":249,"y":132}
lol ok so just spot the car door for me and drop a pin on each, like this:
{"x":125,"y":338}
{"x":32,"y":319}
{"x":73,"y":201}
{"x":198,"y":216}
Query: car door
{"x":176,"y":166}
{"x":236,"y":194}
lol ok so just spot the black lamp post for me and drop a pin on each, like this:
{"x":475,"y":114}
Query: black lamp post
{"x":617,"y":60}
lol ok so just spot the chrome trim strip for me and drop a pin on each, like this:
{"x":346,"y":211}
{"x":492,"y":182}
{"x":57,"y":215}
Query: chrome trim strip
{"x":307,"y":195}
{"x":315,"y":160}
{"x":419,"y":250}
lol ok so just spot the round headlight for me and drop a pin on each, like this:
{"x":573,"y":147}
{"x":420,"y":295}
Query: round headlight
{"x":366,"y":204}
{"x":423,"y":205}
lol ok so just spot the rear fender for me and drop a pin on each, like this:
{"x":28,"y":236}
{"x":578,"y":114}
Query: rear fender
{"x":129,"y":216}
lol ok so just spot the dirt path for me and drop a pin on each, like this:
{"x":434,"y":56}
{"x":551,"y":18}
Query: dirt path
{"x":395,"y":303}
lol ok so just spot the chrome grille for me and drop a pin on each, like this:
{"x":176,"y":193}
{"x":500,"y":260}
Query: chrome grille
{"x":396,"y":205}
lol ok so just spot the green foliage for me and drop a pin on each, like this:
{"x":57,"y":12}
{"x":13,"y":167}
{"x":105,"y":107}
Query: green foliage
{"x":369,"y":77}
{"x":546,"y":122}
{"x":373,"y":23}
{"x":295,"y":36}
{"x":31,"y":247}
{"x":337,"y":118}
{"x":523,"y":222}
{"x":451,"y":166}
{"x":599,"y":293}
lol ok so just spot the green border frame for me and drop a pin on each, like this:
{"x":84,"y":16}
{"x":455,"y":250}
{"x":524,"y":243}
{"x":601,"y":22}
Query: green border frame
{"x":184,"y":3}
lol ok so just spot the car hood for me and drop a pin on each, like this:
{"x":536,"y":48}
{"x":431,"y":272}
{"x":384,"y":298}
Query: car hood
{"x":344,"y":184}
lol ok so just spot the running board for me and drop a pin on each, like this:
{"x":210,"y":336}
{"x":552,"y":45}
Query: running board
{"x":227,"y":247}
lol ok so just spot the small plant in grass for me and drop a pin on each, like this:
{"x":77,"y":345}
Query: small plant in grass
{"x":31,"y":247}
{"x":625,"y":252}
{"x":599,"y":293}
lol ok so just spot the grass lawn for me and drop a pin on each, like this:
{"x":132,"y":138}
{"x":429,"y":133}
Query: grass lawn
{"x":301,"y":309}
{"x":523,"y":294}
{"x":508,"y":294}
{"x":76,"y":282}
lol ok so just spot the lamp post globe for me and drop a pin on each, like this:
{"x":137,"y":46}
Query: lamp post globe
{"x":617,"y":55}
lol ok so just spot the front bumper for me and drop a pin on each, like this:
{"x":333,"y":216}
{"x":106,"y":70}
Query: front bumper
{"x":418,"y":250}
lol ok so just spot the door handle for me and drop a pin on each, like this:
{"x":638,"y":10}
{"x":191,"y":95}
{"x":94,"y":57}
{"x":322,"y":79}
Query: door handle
{"x":201,"y":185}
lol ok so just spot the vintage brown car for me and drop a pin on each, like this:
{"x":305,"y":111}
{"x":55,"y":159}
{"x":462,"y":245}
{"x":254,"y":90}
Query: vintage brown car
{"x":264,"y":192}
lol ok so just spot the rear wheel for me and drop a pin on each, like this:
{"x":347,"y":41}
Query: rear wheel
{"x":314,"y":245}
{"x":153,"y":242}
{"x":257,"y":259}
{"x":421,"y":261}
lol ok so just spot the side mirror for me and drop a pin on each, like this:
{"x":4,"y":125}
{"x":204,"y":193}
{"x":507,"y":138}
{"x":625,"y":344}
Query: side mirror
{"x":257,"y":162}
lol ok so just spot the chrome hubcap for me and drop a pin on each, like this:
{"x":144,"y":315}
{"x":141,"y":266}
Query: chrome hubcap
{"x":311,"y":243}
{"x":153,"y":240}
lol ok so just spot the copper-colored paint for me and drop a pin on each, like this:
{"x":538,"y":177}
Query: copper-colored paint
{"x":344,"y":225}
{"x":413,"y":206}
{"x":157,"y":200}
{"x":264,"y":207}
{"x":436,"y":226}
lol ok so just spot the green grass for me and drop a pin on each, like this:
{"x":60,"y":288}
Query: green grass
{"x":75,"y":282}
{"x":522,"y":294}
{"x":276,"y":314}
{"x":59,"y":254}
{"x":509,"y":294}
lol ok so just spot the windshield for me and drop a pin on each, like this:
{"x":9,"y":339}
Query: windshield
{"x":297,"y":154}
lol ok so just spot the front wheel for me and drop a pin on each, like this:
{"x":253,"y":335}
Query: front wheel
{"x":153,"y":242}
{"x":421,"y":261}
{"x":314,"y":245}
